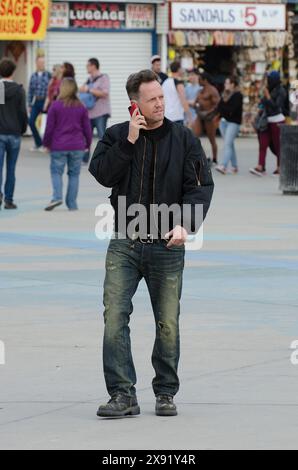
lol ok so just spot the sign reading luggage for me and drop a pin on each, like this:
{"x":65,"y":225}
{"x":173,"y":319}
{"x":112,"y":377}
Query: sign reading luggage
{"x":23,"y":19}
{"x":97,"y":15}
{"x":229,"y":16}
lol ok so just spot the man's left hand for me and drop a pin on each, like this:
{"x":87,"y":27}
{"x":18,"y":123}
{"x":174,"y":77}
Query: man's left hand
{"x":84,"y":89}
{"x":178,"y":236}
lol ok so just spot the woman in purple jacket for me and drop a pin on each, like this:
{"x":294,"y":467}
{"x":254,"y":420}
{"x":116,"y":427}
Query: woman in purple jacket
{"x":68,"y":134}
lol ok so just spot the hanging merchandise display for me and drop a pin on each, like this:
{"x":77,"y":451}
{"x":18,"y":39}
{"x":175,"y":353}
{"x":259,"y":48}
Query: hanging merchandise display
{"x":197,"y":39}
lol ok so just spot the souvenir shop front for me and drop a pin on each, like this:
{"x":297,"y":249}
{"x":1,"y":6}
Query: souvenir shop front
{"x":230,"y":39}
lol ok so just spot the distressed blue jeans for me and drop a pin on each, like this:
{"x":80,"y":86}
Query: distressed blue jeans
{"x":229,"y":132}
{"x":73,"y":160}
{"x":127,"y":262}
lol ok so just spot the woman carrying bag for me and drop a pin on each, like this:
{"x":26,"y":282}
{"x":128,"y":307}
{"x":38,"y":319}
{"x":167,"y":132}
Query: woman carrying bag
{"x":68,"y":134}
{"x":273,"y":108}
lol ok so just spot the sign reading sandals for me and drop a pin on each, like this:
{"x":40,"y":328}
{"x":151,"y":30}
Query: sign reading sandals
{"x":225,"y":16}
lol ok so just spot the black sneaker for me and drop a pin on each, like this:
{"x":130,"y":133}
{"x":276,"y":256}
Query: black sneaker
{"x":165,"y":406}
{"x":52,"y":205}
{"x":10,"y":205}
{"x":119,"y":405}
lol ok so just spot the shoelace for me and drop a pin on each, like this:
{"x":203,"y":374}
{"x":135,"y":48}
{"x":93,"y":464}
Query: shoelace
{"x":116,"y":397}
{"x":167,"y":398}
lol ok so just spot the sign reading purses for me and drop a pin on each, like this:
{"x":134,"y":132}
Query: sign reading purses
{"x":228,"y":16}
{"x":97,"y":15}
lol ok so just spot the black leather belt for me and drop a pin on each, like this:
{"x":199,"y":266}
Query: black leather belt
{"x":149,"y":240}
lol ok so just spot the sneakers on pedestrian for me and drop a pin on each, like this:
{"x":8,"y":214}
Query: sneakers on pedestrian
{"x":118,"y":406}
{"x":52,"y":205}
{"x":34,"y":149}
{"x":165,"y":406}
{"x":10,"y":205}
{"x":42,"y":149}
{"x":234,"y":170}
{"x":256,"y":171}
{"x":276,"y":172}
{"x":221,"y":169}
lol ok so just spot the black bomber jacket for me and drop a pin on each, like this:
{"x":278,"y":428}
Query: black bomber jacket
{"x":181,"y":171}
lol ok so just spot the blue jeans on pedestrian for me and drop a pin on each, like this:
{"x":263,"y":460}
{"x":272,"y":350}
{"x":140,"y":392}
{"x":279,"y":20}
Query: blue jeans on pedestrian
{"x":73,"y":160}
{"x":100,"y":123}
{"x":127,"y":262}
{"x":229,"y":132}
{"x":9,"y":146}
{"x":37,"y":108}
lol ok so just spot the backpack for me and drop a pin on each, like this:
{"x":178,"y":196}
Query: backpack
{"x":87,"y":99}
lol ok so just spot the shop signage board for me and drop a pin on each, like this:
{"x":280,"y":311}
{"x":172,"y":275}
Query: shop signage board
{"x":59,"y":15}
{"x":97,"y":15}
{"x":23,"y":19}
{"x":228,"y":16}
{"x":100,"y":15}
{"x":140,"y":16}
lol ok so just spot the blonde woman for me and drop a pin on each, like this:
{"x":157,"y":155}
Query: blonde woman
{"x":53,"y":87}
{"x":68,"y":135}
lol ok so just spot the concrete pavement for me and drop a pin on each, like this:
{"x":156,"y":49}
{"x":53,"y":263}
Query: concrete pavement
{"x":239,"y":316}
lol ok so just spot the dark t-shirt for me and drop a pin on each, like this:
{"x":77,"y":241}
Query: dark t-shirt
{"x":231,"y":110}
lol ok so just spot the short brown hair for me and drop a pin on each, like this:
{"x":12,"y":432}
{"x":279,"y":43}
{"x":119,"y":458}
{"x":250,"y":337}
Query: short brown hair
{"x":7,"y":67}
{"x":135,"y":80}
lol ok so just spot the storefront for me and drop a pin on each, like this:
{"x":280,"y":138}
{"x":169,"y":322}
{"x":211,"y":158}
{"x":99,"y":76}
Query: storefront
{"x":121,"y":35}
{"x":244,"y":39}
{"x":293,"y":40}
{"x":22,"y":22}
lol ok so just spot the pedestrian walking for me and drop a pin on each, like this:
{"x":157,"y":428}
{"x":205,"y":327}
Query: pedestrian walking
{"x":174,"y":95}
{"x":13,"y":123}
{"x":230,"y":111}
{"x":156,"y":68}
{"x":53,"y":87}
{"x":68,"y":135}
{"x":38,"y":89}
{"x":273,"y":109}
{"x":207,"y":115}
{"x":97,"y":88}
{"x":149,"y":160}
{"x":192,"y":90}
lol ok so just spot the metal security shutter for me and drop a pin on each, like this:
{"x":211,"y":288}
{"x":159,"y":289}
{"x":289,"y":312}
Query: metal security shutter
{"x":119,"y":54}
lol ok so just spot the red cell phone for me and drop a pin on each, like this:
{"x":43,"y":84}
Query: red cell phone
{"x":132,"y":109}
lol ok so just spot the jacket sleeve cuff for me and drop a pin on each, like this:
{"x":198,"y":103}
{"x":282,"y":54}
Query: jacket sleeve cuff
{"x":127,"y":147}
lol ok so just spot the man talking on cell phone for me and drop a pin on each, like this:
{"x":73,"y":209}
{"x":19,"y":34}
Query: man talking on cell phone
{"x":148,"y":161}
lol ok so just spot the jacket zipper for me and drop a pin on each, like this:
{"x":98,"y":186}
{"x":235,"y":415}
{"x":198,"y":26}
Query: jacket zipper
{"x":153,"y":195}
{"x":144,"y":154}
{"x":197,"y":177}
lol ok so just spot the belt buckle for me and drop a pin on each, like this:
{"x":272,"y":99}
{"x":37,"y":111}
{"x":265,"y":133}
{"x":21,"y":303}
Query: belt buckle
{"x":148,"y":240}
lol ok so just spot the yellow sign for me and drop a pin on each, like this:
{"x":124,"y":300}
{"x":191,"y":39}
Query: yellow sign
{"x":23,"y":19}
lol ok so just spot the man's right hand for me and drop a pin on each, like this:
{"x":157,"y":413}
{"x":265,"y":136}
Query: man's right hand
{"x":137,"y":122}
